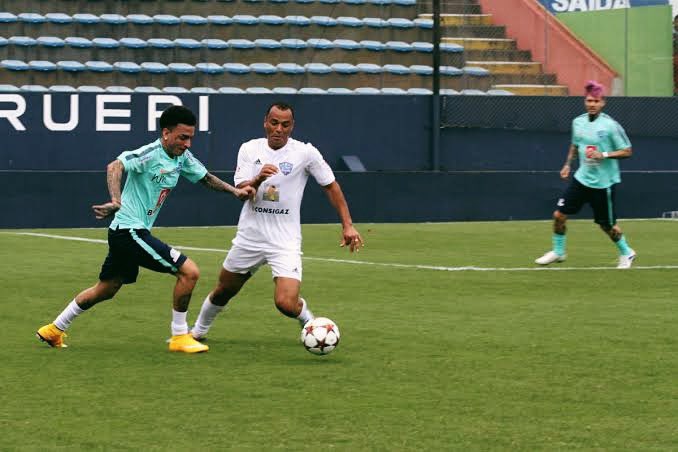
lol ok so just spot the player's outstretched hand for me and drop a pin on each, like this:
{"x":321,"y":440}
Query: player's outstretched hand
{"x":352,"y":239}
{"x":267,"y":171}
{"x":104,"y":210}
{"x":245,"y":193}
{"x":565,"y":172}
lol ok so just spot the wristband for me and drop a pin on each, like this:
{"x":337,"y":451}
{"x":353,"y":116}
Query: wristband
{"x":606,"y":155}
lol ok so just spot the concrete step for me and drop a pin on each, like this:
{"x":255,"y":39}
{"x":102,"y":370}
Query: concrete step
{"x":498,"y":55}
{"x":461,"y":19}
{"x":534,"y":90}
{"x":475,"y":31}
{"x":508,"y":67}
{"x":451,"y":8}
{"x":482,"y":43}
{"x":523,"y":79}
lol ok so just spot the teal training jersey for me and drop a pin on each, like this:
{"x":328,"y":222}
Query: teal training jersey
{"x":604,"y":135}
{"x":151,"y":175}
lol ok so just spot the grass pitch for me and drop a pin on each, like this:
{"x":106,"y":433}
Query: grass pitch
{"x":451,"y":340}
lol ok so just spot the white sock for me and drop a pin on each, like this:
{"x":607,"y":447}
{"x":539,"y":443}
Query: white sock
{"x":179,"y":325}
{"x":305,"y":315}
{"x":208,"y":313}
{"x":63,"y":321}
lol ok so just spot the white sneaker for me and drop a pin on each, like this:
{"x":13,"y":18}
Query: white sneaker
{"x":626,"y":261}
{"x":549,"y":258}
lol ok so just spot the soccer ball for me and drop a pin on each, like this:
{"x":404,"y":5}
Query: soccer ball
{"x":320,"y":336}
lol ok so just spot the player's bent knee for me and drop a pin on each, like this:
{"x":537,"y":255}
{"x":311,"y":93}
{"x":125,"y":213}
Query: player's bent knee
{"x":189,"y":271}
{"x":287,"y":306}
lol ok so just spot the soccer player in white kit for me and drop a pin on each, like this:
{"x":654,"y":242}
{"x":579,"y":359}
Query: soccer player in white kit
{"x":269,"y":229}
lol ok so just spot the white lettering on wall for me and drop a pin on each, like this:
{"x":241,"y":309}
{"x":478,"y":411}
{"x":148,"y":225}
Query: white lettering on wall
{"x":204,"y":113}
{"x":102,"y":112}
{"x":561,"y":6}
{"x":13,"y":115}
{"x":60,"y":126}
{"x":154,"y":113}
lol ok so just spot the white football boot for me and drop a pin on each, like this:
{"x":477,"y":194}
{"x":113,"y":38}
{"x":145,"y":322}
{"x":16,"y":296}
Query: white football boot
{"x":626,"y":261}
{"x":549,"y":258}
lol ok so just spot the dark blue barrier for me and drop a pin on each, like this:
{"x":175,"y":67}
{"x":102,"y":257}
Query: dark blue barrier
{"x":58,"y":199}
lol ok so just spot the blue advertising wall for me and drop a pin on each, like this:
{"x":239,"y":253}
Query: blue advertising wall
{"x":500,"y":157}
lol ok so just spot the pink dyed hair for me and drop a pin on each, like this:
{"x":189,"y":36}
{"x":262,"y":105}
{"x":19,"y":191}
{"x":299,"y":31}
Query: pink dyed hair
{"x":594,"y":89}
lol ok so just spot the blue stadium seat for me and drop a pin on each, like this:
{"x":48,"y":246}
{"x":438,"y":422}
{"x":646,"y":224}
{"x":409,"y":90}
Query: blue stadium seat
{"x":203,"y":90}
{"x":113,"y":19}
{"x":3,"y":42}
{"x":284,"y":90}
{"x":263,"y":68}
{"x":90,"y":89}
{"x":293,"y":43}
{"x":397,"y":69}
{"x":370,"y":68}
{"x":190,"y":19}
{"x":300,"y":21}
{"x":34,"y":88}
{"x":98,"y":66}
{"x":304,"y":1}
{"x":23,"y":41}
{"x":398,"y":22}
{"x":258,"y":90}
{"x":339,"y":91}
{"x":324,"y":21}
{"x":279,"y":1}
{"x":166,"y":19}
{"x":42,"y":66}
{"x":344,"y":68}
{"x":376,"y":22}
{"x":160,"y":43}
{"x":367,"y":90}
{"x":451,"y":48}
{"x":32,"y":18}
{"x":245,"y":19}
{"x":311,"y":90}
{"x":347,"y":44}
{"x":449,"y":92}
{"x":133,"y":43}
{"x":62,"y":89}
{"x":450,"y":70}
{"x":473,"y":92}
{"x":139,"y":19}
{"x":269,"y":19}
{"x":153,"y":67}
{"x":421,"y":69}
{"x":4,"y":88}
{"x":50,"y":41}
{"x":330,"y":2}
{"x":405,"y":2}
{"x":8,"y":18}
{"x":79,"y":43}
{"x":349,"y":21}
{"x":317,"y":68}
{"x":14,"y":65}
{"x":476,"y":71}
{"x":58,"y":18}
{"x":147,"y":89}
{"x":270,"y":44}
{"x":320,"y":43}
{"x":210,"y":68}
{"x":86,"y":18}
{"x":425,"y":24}
{"x":181,"y":68}
{"x":231,"y":90}
{"x":241,"y":44}
{"x":237,"y":68}
{"x":127,"y":67}
{"x":380,"y":2}
{"x":118,"y":89}
{"x":398,"y":46}
{"x":71,"y":66}
{"x":219,"y":20}
{"x":290,"y":68}
{"x":105,"y":43}
{"x":419,"y":91}
{"x":398,"y":91}
{"x":376,"y":46}
{"x":425,"y":47}
{"x":187,"y":43}
{"x":499,"y":92}
{"x":215,"y":44}
{"x":355,"y":2}
{"x":175,"y":90}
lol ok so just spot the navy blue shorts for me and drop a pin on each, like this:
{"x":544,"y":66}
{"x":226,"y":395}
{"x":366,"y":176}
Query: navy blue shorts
{"x":601,"y":201}
{"x":128,"y":249}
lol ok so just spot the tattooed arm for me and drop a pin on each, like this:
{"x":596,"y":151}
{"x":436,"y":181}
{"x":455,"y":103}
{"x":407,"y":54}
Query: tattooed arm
{"x":214,"y":183}
{"x":114,"y":172}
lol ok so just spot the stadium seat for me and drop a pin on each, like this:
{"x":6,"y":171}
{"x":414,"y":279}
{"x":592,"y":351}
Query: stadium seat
{"x":375,"y":46}
{"x":236,"y":68}
{"x":147,"y":89}
{"x":62,"y":89}
{"x":291,"y":68}
{"x":181,"y":68}
{"x":311,"y":90}
{"x":263,"y":68}
{"x":32,"y":18}
{"x":166,"y":19}
{"x":190,"y":19}
{"x":398,"y":46}
{"x":473,"y":92}
{"x":300,"y":21}
{"x":398,"y":91}
{"x":245,"y":19}
{"x":270,"y":44}
{"x":370,"y":68}
{"x":113,"y":19}
{"x":421,"y":69}
{"x":376,"y":22}
{"x":448,"y":92}
{"x":210,"y":68}
{"x":499,"y":92}
{"x":203,"y":90}
{"x":317,"y":68}
{"x":14,"y":65}
{"x":105,"y":43}
{"x":161,"y":43}
{"x":293,"y":43}
{"x":344,"y":68}
{"x":241,"y":44}
{"x":419,"y":91}
{"x":324,"y":21}
{"x":348,"y":21}
{"x":8,"y":18}
{"x":34,"y":88}
{"x":258,"y":90}
{"x":346,"y":44}
{"x":269,"y":19}
{"x":398,"y":22}
{"x":22,"y":41}
{"x":5,"y":88}
{"x":139,"y":19}
{"x":118,"y":89}
{"x":59,"y":18}
{"x":153,"y":67}
{"x":231,"y":90}
{"x":398,"y":69}
{"x":367,"y":90}
{"x":50,"y":41}
{"x":219,"y":20}
{"x":133,"y":43}
{"x":426,"y":24}
{"x":43,"y":66}
{"x":284,"y":90}
{"x":187,"y":43}
{"x":339,"y":91}
{"x":90,"y":89}
{"x":77,"y":42}
{"x":175,"y":90}
{"x":320,"y":43}
{"x":86,"y":19}
{"x":71,"y":66}
{"x":215,"y":44}
{"x":99,"y":66}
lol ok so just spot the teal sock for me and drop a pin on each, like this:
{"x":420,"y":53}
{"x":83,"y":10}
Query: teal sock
{"x":622,"y":246}
{"x":559,"y":241}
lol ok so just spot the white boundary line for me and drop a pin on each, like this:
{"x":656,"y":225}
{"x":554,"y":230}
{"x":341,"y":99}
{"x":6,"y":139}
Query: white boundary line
{"x":376,"y":264}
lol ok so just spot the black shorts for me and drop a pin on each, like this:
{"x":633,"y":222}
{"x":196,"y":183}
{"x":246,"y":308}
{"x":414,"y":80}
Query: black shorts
{"x":601,"y":201}
{"x":130,"y":248}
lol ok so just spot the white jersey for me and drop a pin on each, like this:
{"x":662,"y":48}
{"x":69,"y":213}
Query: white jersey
{"x":272,"y":219}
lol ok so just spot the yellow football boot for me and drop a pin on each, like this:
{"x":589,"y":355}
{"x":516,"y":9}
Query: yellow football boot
{"x":52,"y":335}
{"x":185,"y":343}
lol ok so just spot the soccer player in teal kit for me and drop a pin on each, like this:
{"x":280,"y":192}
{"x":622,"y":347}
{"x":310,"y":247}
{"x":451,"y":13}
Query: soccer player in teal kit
{"x":152,"y":172}
{"x":599,"y":142}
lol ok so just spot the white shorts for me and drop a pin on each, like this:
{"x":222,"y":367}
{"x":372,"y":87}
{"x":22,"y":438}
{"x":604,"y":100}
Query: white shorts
{"x":285,"y":264}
